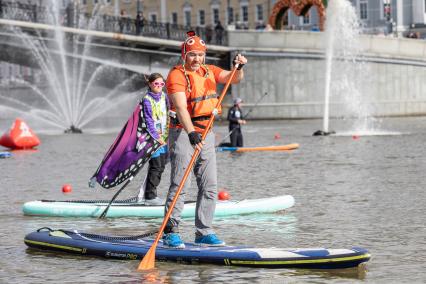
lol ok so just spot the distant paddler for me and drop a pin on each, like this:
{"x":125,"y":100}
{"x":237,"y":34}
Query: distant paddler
{"x":236,"y":119}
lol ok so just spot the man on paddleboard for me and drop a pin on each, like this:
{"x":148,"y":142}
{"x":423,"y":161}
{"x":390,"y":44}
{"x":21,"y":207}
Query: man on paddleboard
{"x":191,"y":88}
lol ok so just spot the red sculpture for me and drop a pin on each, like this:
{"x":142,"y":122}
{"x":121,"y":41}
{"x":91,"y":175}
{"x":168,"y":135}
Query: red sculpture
{"x":299,"y":7}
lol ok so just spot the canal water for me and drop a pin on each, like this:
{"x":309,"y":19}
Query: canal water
{"x":366,"y":191}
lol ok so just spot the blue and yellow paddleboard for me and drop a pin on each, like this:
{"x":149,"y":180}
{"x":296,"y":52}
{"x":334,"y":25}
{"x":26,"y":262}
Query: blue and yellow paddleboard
{"x":136,"y":247}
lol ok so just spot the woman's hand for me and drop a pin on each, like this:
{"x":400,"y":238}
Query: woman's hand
{"x":161,"y":141}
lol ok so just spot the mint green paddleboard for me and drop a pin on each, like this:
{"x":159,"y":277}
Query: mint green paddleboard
{"x":93,"y":208}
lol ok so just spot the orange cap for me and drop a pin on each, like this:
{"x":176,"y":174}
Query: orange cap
{"x":193,"y":43}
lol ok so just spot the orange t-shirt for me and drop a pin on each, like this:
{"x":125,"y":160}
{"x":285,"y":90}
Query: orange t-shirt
{"x":176,"y":81}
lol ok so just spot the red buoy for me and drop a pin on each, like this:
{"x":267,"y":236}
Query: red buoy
{"x":223,"y":195}
{"x":354,"y":137}
{"x":277,"y":136}
{"x":66,"y":188}
{"x":20,"y":136}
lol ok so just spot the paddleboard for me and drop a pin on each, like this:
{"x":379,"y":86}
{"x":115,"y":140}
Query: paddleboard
{"x":256,"y":149}
{"x":132,"y":248}
{"x":4,"y":155}
{"x":93,"y":208}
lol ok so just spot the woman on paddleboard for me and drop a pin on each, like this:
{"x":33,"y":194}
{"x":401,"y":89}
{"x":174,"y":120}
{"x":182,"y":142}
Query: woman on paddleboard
{"x":155,"y":109}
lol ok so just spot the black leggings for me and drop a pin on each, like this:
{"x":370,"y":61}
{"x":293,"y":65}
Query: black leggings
{"x":155,"y":170}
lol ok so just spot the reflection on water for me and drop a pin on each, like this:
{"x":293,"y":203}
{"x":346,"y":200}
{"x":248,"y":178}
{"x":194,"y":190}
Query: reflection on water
{"x":171,"y":272}
{"x":359,"y":272}
{"x":369,"y":133}
{"x":275,"y":223}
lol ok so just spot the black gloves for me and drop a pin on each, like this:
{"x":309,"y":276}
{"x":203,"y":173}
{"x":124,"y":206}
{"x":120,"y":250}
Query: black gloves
{"x":194,"y":138}
{"x":240,"y":66}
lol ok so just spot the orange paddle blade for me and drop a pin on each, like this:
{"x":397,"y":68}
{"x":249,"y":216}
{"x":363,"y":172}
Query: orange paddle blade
{"x":148,"y":261}
{"x":269,"y":148}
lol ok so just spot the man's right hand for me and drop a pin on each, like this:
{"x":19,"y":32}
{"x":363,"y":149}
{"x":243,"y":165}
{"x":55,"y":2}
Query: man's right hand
{"x":195,"y":139}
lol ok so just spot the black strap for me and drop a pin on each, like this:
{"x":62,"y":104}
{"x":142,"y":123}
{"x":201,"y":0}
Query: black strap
{"x":102,"y":237}
{"x":103,"y":215}
{"x":200,"y":118}
{"x":175,"y":120}
{"x":199,"y":125}
{"x":202,"y":98}
{"x":45,"y":228}
{"x":118,"y":238}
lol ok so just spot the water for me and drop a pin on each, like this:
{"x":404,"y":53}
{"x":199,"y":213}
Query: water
{"x":366,"y":192}
{"x":346,"y":91}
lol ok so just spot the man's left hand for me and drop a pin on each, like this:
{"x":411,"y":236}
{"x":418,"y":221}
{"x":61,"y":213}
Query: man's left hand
{"x":240,"y":60}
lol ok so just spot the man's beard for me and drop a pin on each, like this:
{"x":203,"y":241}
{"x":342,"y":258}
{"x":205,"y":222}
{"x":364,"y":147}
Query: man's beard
{"x":195,"y":66}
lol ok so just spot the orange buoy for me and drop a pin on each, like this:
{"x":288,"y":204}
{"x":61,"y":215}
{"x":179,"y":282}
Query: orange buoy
{"x":66,"y":188}
{"x":19,"y":136}
{"x":223,"y":195}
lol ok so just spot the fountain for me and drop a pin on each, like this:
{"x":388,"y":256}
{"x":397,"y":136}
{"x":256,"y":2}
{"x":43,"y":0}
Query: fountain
{"x":347,"y":76}
{"x":73,"y":94}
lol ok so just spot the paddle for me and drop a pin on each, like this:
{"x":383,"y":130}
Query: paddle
{"x":103,"y":215}
{"x":148,"y":261}
{"x":245,"y":116}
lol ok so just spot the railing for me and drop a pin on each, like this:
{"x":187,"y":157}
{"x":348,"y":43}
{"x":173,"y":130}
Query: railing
{"x":71,"y":17}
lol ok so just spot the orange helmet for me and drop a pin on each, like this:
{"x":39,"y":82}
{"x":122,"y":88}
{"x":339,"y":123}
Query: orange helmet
{"x":192,"y":43}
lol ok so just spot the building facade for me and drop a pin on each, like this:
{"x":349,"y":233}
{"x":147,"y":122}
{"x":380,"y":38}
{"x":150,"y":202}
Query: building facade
{"x":376,"y":16}
{"x":233,"y":13}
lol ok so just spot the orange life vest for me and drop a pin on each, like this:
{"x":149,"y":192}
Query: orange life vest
{"x":201,"y":96}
